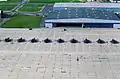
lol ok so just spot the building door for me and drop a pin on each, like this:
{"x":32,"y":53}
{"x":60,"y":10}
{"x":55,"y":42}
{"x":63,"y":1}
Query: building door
{"x":68,"y":25}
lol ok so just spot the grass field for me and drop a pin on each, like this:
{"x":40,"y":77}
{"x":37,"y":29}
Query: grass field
{"x":20,"y":21}
{"x":1,"y":20}
{"x":14,"y":0}
{"x":7,"y":7}
{"x":52,"y":1}
{"x":31,"y":8}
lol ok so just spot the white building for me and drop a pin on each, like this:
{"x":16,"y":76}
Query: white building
{"x":0,"y":13}
{"x":3,"y":0}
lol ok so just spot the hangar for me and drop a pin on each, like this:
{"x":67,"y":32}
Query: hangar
{"x":82,"y":17}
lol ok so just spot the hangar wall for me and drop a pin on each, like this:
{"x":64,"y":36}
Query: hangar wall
{"x":48,"y":25}
{"x":86,"y":25}
{"x":99,"y":25}
{"x":116,"y":25}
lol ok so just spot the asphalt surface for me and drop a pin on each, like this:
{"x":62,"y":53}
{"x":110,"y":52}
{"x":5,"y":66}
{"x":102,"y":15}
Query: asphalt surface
{"x":59,"y":60}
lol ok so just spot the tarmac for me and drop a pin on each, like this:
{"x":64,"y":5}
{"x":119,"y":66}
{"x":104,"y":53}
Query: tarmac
{"x":59,"y":60}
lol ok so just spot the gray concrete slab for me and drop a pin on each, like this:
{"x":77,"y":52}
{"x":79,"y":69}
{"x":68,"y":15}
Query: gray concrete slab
{"x":62,"y":61}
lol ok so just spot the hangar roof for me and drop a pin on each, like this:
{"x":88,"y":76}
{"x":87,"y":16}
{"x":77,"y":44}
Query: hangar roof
{"x":100,"y":5}
{"x":70,"y":13}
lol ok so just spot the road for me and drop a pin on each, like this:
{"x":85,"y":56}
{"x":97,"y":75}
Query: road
{"x":19,"y":5}
{"x":30,"y":13}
